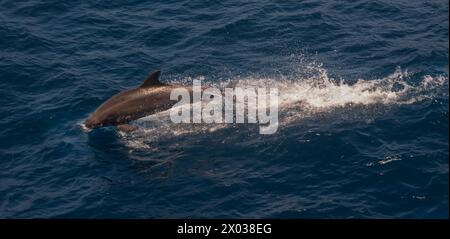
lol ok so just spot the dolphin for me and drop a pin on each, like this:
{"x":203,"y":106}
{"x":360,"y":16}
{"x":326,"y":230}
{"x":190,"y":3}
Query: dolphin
{"x":149,"y":98}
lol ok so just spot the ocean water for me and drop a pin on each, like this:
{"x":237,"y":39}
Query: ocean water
{"x":364,"y":113}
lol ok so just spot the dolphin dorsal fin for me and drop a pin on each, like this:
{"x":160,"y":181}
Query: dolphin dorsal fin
{"x":152,"y":80}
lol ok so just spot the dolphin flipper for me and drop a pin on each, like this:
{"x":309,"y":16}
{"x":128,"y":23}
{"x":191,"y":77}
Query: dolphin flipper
{"x":126,"y":128}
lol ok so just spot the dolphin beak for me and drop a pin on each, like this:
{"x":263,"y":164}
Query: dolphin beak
{"x":89,"y":123}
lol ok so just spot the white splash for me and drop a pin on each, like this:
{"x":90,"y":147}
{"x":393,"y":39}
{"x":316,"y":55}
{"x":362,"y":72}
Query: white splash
{"x":322,"y":91}
{"x":300,"y":97}
{"x":389,"y":159}
{"x":83,"y":127}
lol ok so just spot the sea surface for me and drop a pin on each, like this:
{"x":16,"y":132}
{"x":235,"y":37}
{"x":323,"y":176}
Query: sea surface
{"x":363,"y":116}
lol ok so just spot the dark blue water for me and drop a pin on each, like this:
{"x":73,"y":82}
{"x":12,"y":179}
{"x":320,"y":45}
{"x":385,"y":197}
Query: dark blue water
{"x":363,"y":130}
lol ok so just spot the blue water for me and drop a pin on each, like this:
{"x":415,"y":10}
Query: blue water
{"x":363,"y":131}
